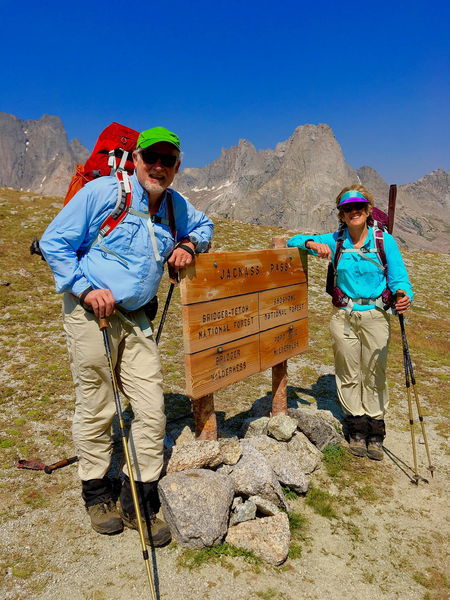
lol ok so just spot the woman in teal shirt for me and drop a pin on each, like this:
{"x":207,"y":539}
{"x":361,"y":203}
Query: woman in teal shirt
{"x":360,"y":327}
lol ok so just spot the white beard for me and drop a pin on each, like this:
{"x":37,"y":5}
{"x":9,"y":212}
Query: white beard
{"x":153,"y":188}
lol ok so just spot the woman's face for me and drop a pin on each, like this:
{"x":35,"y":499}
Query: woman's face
{"x":354,"y":214}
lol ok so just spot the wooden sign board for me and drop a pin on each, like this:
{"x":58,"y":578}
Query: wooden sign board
{"x":225,"y":274}
{"x":242,"y":313}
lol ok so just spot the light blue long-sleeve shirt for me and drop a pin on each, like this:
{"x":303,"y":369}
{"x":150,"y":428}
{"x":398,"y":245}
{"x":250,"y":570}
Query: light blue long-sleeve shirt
{"x":133,"y":278}
{"x":358,"y":277}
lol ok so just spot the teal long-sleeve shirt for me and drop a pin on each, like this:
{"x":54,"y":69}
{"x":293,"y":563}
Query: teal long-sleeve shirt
{"x":358,"y":277}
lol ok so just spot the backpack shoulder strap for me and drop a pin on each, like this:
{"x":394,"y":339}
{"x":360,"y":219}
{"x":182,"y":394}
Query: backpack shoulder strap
{"x":379,"y":243}
{"x":339,"y":245}
{"x":171,"y":214}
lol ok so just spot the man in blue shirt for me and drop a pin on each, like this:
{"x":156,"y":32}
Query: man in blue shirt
{"x":117,"y":277}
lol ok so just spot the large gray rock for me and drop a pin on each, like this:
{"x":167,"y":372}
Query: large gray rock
{"x":242,"y":511}
{"x":317,"y":429}
{"x":286,"y":467}
{"x":253,"y":475}
{"x":268,"y":537}
{"x":230,"y":450}
{"x":264,"y":506}
{"x":196,"y":506}
{"x":281,"y":427}
{"x":255,"y":426}
{"x":194,"y":455}
{"x":308,"y":456}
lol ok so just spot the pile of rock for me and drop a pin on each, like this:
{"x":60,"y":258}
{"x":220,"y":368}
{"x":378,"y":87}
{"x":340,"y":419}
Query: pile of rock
{"x":230,"y":490}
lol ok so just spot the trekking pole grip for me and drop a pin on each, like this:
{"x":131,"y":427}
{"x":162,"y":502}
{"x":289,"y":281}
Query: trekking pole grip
{"x":102,"y":323}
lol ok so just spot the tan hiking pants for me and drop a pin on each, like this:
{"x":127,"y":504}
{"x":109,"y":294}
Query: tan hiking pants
{"x":138,"y":372}
{"x":360,"y":361}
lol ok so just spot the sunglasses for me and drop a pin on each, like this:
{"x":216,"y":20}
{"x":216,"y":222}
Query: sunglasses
{"x":353,"y":206}
{"x":150,"y":157}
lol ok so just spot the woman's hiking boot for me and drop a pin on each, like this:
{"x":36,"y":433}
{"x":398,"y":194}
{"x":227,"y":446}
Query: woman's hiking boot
{"x":357,"y":445}
{"x":377,"y":432}
{"x":156,"y":532}
{"x":357,"y":429}
{"x":100,"y":506}
{"x":375,"y":448}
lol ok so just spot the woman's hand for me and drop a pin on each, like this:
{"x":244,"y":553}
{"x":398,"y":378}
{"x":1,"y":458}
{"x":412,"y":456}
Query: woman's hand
{"x":323,"y":250}
{"x":402,"y":301}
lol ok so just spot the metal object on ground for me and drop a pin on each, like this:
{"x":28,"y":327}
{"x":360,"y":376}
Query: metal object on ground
{"x":103,"y":325}
{"x":36,"y":465}
{"x":410,"y":379}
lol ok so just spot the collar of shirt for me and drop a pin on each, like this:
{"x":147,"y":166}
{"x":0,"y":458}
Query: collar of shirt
{"x":141,"y":196}
{"x":368,"y":244}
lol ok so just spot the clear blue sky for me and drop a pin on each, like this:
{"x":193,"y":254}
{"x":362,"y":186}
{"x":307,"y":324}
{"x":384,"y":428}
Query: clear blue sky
{"x":215,"y":72}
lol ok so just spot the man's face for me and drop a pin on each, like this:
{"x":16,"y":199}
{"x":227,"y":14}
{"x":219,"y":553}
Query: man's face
{"x":155,"y":177}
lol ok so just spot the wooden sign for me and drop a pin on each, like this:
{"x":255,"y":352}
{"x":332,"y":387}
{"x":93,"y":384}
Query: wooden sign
{"x":283,"y":342}
{"x":242,"y":313}
{"x":217,"y":367}
{"x":225,"y":274}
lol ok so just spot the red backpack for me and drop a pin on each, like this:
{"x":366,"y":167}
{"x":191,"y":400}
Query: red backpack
{"x":112,"y":152}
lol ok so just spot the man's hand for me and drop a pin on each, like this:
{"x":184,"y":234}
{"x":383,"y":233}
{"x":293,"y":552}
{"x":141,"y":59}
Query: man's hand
{"x":102,"y":303}
{"x":179,"y":259}
{"x":402,"y":301}
{"x":323,"y":250}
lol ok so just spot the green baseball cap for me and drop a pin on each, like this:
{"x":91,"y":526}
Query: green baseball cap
{"x":157,"y":134}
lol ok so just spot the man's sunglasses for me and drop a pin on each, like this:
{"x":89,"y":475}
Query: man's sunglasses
{"x":353,"y":206}
{"x":150,"y":157}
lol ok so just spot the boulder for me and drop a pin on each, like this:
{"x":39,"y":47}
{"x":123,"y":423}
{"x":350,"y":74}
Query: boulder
{"x":281,"y":427}
{"x":268,"y":537}
{"x":264,"y":506}
{"x":196,"y":506}
{"x":308,"y":456}
{"x":285,"y":464}
{"x":242,"y":511}
{"x":194,"y":455}
{"x":255,"y":426}
{"x":316,"y":428}
{"x":230,"y":450}
{"x":253,"y":475}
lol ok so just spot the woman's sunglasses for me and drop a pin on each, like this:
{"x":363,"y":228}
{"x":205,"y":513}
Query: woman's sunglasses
{"x":353,"y":206}
{"x":150,"y":157}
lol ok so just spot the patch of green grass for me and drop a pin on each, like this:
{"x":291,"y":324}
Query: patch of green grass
{"x":193,"y":559}
{"x":335,"y":460}
{"x":295,"y":550}
{"x":367,"y":493}
{"x":434,"y":580}
{"x":289,"y":494}
{"x":297,"y":522}
{"x":270,"y":594}
{"x":321,"y":502}
{"x":7,"y":443}
{"x":57,"y":438}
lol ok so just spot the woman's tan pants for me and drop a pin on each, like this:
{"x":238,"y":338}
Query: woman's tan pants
{"x":138,"y":372}
{"x":360,"y":361}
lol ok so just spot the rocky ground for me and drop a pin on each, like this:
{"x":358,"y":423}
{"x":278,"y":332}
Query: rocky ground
{"x":362,"y":530}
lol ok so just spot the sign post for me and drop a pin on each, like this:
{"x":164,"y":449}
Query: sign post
{"x":243,"y":312}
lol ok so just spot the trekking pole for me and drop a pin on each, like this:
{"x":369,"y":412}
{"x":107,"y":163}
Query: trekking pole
{"x":407,"y":356}
{"x":103,"y":325}
{"x":164,"y":313}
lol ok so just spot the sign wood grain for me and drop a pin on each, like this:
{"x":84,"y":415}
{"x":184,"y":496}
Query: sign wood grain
{"x":282,"y":305}
{"x":283,"y":342}
{"x":207,"y":324}
{"x":225,"y":274}
{"x":215,"y":368}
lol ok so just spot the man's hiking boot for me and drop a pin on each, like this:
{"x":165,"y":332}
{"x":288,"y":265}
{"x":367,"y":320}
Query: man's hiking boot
{"x":159,"y":531}
{"x":375,"y":448}
{"x":357,"y":445}
{"x":356,"y":429}
{"x":98,"y":498}
{"x":105,"y":518}
{"x":156,"y":532}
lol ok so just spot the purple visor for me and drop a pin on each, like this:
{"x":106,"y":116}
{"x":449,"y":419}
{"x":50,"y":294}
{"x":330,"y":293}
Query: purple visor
{"x":352,"y":196}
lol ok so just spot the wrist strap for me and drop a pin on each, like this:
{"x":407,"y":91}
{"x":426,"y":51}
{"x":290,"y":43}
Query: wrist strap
{"x":306,"y":243}
{"x":186,"y":249}
{"x":82,"y":296}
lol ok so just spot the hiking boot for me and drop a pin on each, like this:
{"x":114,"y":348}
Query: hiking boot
{"x":159,"y":531}
{"x":156,"y":532}
{"x":105,"y":518}
{"x":357,"y":445}
{"x":375,"y":448}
